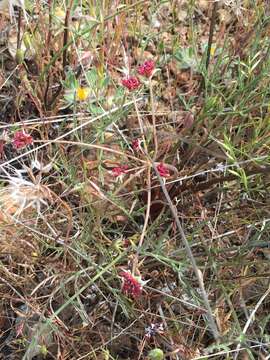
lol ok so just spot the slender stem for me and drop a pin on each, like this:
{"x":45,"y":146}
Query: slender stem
{"x":65,"y":40}
{"x":48,"y":44}
{"x":66,"y":44}
{"x":147,"y":215}
{"x":153,"y":110}
{"x":90,"y":146}
{"x":19,"y":29}
{"x":211,"y":33}
{"x":140,"y":123}
{"x":197,"y":272}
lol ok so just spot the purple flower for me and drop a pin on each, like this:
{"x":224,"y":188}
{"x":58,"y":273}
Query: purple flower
{"x":163,"y":171}
{"x":119,"y":170}
{"x":132,"y":286}
{"x":131,"y":83}
{"x":136,"y":144}
{"x":21,"y":139}
{"x":147,"y":68}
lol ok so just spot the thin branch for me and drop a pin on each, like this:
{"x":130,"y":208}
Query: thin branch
{"x":19,"y":29}
{"x":147,"y":215}
{"x":197,"y":272}
{"x":211,"y":33}
{"x":65,"y":39}
{"x":48,"y":45}
{"x":153,"y":111}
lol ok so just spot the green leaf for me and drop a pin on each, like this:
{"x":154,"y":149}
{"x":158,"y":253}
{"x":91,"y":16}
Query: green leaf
{"x":156,"y":354}
{"x":187,"y":59}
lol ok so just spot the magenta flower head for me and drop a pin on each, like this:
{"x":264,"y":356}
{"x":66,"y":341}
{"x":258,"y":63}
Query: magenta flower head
{"x":147,"y":68}
{"x":132,"y":285}
{"x":163,"y":171}
{"x":119,"y":170}
{"x":21,"y":139}
{"x":136,"y":144}
{"x":131,"y":83}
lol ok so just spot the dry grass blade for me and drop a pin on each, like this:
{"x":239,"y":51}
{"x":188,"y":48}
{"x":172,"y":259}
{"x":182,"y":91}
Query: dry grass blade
{"x":198,"y":273}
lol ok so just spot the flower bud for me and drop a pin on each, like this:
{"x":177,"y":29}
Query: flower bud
{"x":19,"y":56}
{"x":156,"y":354}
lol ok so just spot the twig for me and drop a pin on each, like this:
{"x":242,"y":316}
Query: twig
{"x":48,"y":44}
{"x":153,"y":118}
{"x":148,"y":207}
{"x":65,"y":39}
{"x":197,"y":272}
{"x":19,"y":29}
{"x":90,"y":146}
{"x":140,"y":124}
{"x":211,"y":33}
{"x":147,"y":215}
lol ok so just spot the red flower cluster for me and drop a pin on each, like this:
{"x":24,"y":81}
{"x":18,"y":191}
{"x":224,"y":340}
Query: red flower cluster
{"x":163,"y":171}
{"x":147,"y":68}
{"x":119,"y":170}
{"x":21,"y":139}
{"x":136,"y":144}
{"x":131,"y":285}
{"x":131,"y":83}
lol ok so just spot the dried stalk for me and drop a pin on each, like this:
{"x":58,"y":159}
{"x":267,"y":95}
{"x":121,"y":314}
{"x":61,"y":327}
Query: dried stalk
{"x":197,"y":272}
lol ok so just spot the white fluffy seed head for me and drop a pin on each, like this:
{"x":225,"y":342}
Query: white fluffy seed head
{"x":21,"y":195}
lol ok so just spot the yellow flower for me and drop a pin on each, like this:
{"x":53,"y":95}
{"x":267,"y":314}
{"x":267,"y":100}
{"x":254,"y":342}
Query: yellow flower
{"x":59,"y":13}
{"x":213,"y":50}
{"x":82,"y":93}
